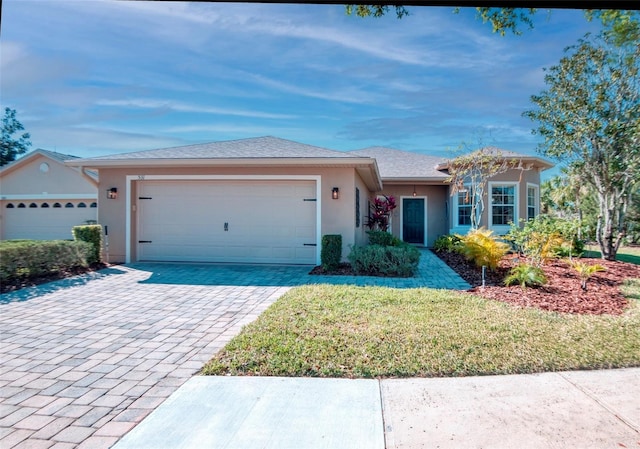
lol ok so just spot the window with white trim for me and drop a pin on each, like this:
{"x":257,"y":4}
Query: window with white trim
{"x":464,"y":207}
{"x":503,"y":204}
{"x":532,"y":201}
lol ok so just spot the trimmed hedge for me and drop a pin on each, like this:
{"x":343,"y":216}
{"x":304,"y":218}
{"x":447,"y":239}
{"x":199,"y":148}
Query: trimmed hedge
{"x":90,"y":234}
{"x":25,"y":259}
{"x":378,"y":260}
{"x":331,"y":252}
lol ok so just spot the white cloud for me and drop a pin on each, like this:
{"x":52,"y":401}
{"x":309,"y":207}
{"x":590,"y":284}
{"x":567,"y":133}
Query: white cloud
{"x":340,"y":94}
{"x":185,"y":107}
{"x":96,"y":141}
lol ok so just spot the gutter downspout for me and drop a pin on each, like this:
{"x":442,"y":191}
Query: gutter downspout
{"x":88,"y":177}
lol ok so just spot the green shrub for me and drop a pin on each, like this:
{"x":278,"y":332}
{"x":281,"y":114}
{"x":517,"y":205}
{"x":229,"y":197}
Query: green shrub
{"x":90,"y":234}
{"x":331,"y":252}
{"x":383,"y":238}
{"x":377,"y":260}
{"x":446,"y":243}
{"x":33,"y":258}
{"x":546,"y":237}
{"x":526,"y":275}
{"x":483,"y":248}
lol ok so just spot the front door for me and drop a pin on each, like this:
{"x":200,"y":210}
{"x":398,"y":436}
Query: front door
{"x":413,"y":220}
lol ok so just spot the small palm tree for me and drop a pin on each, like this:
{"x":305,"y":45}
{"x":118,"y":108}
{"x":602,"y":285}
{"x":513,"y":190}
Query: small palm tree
{"x":585,"y":271}
{"x":526,"y":275}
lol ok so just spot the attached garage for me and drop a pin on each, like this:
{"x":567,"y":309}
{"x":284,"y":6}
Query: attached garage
{"x":262,"y":200}
{"x":227,"y":220}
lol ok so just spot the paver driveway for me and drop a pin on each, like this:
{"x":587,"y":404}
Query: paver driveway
{"x":83,"y":361}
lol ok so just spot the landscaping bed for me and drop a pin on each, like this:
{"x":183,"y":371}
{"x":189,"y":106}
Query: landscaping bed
{"x":562,"y":293}
{"x":18,"y":283}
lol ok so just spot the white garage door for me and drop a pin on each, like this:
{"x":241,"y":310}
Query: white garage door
{"x":45,"y":220}
{"x":227,"y":221}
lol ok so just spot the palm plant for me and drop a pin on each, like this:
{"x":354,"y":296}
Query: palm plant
{"x":526,"y":275}
{"x":585,"y":271}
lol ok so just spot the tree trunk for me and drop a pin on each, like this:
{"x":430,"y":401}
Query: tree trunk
{"x":608,"y":244}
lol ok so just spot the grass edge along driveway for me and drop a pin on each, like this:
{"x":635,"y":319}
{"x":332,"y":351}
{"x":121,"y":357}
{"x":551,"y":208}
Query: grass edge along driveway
{"x":378,"y":332}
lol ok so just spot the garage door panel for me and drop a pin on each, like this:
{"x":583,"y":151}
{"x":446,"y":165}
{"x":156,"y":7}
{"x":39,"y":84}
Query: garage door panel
{"x":267,"y":221}
{"x":44,"y":223}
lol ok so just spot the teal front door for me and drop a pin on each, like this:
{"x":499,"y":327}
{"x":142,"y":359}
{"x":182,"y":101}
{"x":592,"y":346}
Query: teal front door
{"x":413,"y":220}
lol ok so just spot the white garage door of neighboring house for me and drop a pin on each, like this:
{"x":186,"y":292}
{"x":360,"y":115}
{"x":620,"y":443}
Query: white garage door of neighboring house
{"x":227,"y":221}
{"x":45,"y":220}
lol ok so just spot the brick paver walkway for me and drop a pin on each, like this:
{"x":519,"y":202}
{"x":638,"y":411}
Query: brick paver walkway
{"x":83,"y":360}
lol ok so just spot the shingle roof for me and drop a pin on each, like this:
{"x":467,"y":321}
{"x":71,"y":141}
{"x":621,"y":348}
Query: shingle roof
{"x":58,"y":157}
{"x":398,"y":164}
{"x":258,"y":147}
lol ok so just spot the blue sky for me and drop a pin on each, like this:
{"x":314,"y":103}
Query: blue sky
{"x":98,"y":77}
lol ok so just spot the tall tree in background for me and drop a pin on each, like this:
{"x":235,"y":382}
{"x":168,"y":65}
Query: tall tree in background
{"x":589,"y":117}
{"x":10,"y":148}
{"x":567,"y":196}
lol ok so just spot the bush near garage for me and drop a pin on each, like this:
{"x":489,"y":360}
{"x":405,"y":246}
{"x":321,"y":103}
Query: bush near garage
{"x":331,"y":251}
{"x":91,"y":234}
{"x":22,"y":260}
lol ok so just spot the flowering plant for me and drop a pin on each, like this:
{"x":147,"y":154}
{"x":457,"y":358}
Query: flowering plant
{"x":381,"y":209}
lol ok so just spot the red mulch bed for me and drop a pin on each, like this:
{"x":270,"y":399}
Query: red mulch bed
{"x":562,"y":293}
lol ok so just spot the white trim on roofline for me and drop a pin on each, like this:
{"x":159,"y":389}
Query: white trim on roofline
{"x":50,"y":196}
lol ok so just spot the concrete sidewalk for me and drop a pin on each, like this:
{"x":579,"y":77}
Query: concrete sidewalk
{"x":581,"y":409}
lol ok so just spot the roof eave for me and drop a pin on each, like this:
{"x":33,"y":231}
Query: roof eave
{"x":366,"y":167}
{"x":15,"y":164}
{"x":226,"y":162}
{"x":414,"y":180}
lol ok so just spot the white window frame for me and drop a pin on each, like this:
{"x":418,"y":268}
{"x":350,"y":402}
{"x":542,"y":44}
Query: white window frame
{"x":503,"y":229}
{"x":536,"y":199}
{"x":456,"y":227}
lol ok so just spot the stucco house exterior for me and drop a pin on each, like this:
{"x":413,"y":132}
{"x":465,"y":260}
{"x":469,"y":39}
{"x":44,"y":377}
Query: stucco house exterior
{"x":270,"y":200}
{"x":41,"y":198}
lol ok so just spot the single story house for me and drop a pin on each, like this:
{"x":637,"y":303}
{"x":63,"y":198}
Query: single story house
{"x":41,"y":198}
{"x":270,"y":200}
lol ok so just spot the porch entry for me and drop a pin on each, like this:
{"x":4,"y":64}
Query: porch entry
{"x":413,"y":220}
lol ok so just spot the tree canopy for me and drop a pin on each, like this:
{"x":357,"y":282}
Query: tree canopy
{"x":589,"y":117}
{"x":623,"y":25}
{"x":11,"y":147}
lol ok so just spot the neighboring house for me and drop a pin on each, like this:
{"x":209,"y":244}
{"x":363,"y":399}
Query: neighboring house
{"x":41,"y":198}
{"x":269,"y":200}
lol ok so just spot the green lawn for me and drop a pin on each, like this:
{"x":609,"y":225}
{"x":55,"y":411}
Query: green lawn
{"x":625,"y":253}
{"x":346,"y":331}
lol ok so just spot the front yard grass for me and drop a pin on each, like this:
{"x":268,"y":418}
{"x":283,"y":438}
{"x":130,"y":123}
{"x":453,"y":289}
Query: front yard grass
{"x":348,"y":331}
{"x":629,"y":254}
